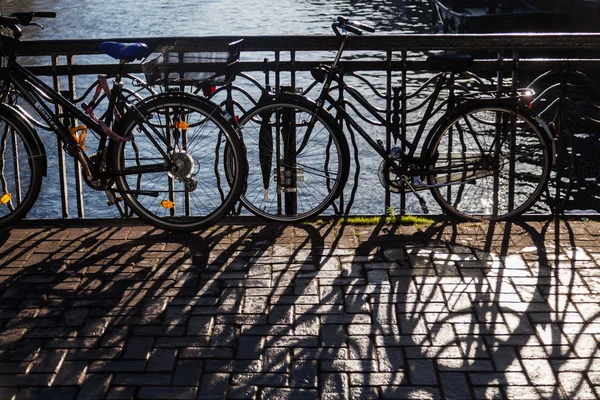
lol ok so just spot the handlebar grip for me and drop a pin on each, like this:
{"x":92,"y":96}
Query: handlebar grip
{"x":359,"y":26}
{"x":362,"y":26}
{"x":352,"y":29}
{"x":44,"y":14}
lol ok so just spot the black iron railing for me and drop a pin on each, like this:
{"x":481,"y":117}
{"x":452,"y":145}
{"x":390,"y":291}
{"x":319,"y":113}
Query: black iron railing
{"x":391,"y":72}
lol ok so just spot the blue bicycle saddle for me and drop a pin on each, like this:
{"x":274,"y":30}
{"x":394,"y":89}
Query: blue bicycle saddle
{"x":125,"y":51}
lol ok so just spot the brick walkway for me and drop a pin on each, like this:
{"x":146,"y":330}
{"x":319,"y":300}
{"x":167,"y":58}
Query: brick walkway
{"x":307,"y":312}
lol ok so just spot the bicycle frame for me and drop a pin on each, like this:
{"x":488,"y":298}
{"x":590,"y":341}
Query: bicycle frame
{"x":333,"y":75}
{"x":412,"y":147}
{"x":37,"y":93}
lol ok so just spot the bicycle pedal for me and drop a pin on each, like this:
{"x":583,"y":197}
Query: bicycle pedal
{"x":114,"y":200}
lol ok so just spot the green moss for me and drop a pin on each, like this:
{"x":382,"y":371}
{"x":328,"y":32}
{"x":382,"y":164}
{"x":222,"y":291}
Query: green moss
{"x":405,"y":220}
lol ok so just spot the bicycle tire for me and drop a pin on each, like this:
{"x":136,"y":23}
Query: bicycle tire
{"x":496,"y":187}
{"x":312,"y":173}
{"x":197,"y":131}
{"x":22,"y":166}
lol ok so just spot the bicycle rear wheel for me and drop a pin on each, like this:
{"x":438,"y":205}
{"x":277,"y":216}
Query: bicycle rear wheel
{"x":22,"y":163}
{"x":298,"y":160}
{"x":172,"y":173}
{"x":492,"y":162}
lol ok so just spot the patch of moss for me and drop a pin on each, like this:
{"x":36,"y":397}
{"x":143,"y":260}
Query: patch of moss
{"x":404,"y":220}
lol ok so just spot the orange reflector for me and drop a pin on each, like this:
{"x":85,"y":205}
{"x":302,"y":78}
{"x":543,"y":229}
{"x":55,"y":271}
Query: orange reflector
{"x":181,"y":125}
{"x":167,"y":204}
{"x":5,"y":198}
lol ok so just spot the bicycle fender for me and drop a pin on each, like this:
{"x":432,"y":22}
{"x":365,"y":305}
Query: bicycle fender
{"x":286,"y":97}
{"x":30,"y":132}
{"x":542,"y":123}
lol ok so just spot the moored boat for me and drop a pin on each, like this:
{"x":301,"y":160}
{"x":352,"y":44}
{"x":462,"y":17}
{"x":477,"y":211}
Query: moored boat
{"x":500,"y":16}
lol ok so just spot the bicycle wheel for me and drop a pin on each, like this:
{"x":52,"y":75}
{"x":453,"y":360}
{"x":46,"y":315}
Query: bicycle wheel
{"x":491,"y":161}
{"x":297,"y":167}
{"x":172,"y":173}
{"x":22,"y":165}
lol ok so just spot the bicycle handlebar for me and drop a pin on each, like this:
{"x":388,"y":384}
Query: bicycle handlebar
{"x":350,"y":26}
{"x":25,"y":19}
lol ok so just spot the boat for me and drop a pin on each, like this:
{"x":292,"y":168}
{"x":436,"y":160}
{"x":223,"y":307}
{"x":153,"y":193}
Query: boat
{"x":500,"y":16}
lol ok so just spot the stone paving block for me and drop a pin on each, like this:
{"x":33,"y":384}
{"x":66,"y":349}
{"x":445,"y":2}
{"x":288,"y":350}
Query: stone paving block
{"x":162,"y":360}
{"x":121,"y":393}
{"x":187,"y":373}
{"x":455,"y":386}
{"x":95,"y":386}
{"x":213,"y":386}
{"x":71,"y":373}
{"x":278,"y":393}
{"x":46,"y":394}
{"x":48,"y":361}
{"x":175,"y":393}
{"x":242,"y":392}
{"x":138,"y":348}
{"x":142,"y":379}
{"x":400,"y":392}
{"x":250,"y":347}
{"x":304,"y":374}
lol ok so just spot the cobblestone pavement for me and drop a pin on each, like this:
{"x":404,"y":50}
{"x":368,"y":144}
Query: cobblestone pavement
{"x":468,"y":311}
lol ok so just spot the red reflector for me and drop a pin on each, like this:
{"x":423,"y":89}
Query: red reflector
{"x":236,"y":119}
{"x":209,"y":90}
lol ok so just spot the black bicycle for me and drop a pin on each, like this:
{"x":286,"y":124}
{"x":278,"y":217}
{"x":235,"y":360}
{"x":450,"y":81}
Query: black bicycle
{"x":488,"y":157}
{"x":162,"y":155}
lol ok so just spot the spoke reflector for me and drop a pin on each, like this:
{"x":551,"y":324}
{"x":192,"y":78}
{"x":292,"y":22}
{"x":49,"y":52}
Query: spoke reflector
{"x":167,"y":204}
{"x":181,"y":125}
{"x":5,"y":198}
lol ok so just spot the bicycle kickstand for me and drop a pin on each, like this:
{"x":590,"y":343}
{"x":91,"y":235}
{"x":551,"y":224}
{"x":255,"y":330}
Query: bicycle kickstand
{"x":419,"y":197}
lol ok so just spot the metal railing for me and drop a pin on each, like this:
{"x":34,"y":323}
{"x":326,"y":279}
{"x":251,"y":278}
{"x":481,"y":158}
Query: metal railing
{"x":392,"y":71}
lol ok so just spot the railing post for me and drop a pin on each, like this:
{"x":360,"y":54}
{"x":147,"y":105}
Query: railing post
{"x":62,"y":169}
{"x":389,"y":117}
{"x":78,"y":179}
{"x":403,"y":117}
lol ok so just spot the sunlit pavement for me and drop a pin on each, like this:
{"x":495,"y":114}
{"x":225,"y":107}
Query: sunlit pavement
{"x":305,"y":312}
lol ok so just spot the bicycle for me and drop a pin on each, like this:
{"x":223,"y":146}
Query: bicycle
{"x":488,"y":158}
{"x":162,"y":155}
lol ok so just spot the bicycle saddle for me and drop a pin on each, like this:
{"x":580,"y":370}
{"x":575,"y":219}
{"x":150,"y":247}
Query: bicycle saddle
{"x":125,"y":51}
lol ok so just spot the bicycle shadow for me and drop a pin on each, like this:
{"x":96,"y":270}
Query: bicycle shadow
{"x":79,"y":303}
{"x":330,"y":311}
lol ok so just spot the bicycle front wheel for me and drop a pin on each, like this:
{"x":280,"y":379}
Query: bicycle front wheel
{"x":22,"y":165}
{"x":489,"y":162}
{"x":172,"y":173}
{"x":298,"y":160}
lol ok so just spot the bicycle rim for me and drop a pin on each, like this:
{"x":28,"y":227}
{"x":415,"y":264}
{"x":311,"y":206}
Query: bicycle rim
{"x":192,"y":192}
{"x":494,"y":161}
{"x":295,"y":170}
{"x":20,"y":170}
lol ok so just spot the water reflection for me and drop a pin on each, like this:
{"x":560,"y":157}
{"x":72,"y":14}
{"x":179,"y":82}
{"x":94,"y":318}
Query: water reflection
{"x":142,"y":18}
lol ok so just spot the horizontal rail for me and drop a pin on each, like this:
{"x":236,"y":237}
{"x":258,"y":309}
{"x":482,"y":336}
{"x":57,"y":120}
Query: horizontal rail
{"x":504,"y":58}
{"x":409,"y":42}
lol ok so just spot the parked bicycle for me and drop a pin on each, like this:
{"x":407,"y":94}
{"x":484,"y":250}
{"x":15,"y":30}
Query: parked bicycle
{"x":489,"y":157}
{"x":163,"y":155}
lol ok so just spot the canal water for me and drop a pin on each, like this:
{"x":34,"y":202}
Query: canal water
{"x":140,"y":18}
{"x":154,"y":18}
